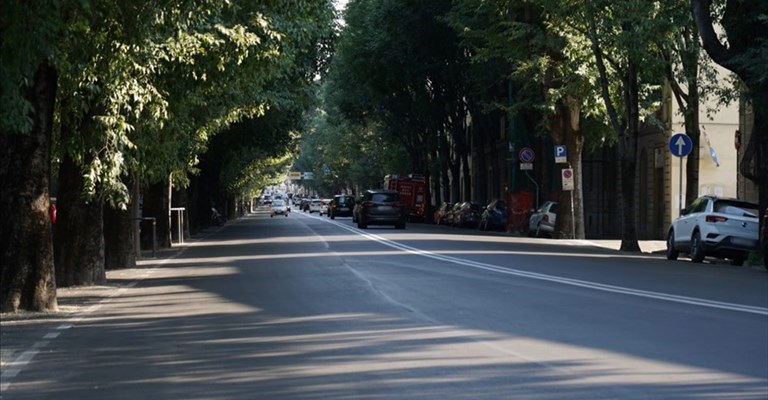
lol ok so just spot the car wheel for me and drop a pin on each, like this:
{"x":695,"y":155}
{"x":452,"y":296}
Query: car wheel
{"x":737,"y":261}
{"x":697,"y":248}
{"x":361,"y":225}
{"x":672,"y":253}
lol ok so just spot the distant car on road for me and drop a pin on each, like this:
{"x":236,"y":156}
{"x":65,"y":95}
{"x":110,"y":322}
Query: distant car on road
{"x":342,"y":205}
{"x":315,"y":205}
{"x":717,"y":227}
{"x":325,"y":204}
{"x":380,"y":207}
{"x":542,"y":220}
{"x":279,"y":207}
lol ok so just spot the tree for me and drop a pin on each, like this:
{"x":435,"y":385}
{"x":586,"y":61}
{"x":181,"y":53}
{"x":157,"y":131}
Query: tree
{"x":541,"y":45}
{"x":621,"y":38}
{"x":180,"y":72}
{"x":746,"y":29}
{"x":399,"y":67}
{"x":28,"y":84}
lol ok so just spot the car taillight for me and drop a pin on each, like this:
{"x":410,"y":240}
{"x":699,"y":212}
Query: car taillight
{"x":369,"y":204}
{"x":545,"y":218}
{"x":715,"y":218}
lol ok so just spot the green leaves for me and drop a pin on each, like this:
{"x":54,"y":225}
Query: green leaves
{"x":145,"y":85}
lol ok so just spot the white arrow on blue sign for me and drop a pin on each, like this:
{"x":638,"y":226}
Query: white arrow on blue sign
{"x":680,"y":145}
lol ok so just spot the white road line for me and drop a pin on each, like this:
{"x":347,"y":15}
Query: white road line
{"x":19,"y":363}
{"x":565,"y":281}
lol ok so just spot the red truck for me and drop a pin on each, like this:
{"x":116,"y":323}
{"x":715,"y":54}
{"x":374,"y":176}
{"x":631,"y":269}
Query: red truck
{"x":412,"y":189}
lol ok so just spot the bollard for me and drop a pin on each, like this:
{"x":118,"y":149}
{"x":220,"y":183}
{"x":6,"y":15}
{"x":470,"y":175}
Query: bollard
{"x":154,"y":234}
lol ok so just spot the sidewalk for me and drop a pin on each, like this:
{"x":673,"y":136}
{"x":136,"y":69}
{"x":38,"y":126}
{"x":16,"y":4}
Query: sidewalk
{"x":646,"y":246}
{"x":23,"y":334}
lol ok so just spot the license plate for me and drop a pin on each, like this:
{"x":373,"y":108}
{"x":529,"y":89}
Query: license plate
{"x":742,"y":242}
{"x":343,"y":209}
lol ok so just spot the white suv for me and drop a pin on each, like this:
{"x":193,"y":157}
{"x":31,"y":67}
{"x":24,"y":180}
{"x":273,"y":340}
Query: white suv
{"x":712,"y":226}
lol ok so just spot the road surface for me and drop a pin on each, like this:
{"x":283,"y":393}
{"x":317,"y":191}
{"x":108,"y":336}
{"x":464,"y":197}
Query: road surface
{"x":306,"y":307}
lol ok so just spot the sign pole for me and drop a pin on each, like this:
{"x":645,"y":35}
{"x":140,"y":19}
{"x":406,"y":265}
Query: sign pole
{"x":680,"y":190}
{"x":573,"y":219}
{"x":680,"y":145}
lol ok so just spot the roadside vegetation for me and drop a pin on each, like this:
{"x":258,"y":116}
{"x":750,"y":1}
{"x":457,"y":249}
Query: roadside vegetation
{"x":125,"y":109}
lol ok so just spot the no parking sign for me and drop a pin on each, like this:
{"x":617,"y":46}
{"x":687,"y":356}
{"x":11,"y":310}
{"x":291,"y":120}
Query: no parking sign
{"x":567,"y":174}
{"x":526,"y":155}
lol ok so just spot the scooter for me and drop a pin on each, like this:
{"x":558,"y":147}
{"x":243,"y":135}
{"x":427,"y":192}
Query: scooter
{"x":216,"y":217}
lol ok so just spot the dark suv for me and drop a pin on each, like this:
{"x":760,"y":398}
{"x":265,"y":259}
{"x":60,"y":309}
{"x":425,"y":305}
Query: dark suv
{"x":342,"y":205}
{"x":380,"y":207}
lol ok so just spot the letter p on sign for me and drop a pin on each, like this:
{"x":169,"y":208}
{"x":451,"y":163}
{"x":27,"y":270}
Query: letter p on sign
{"x":560,"y":154}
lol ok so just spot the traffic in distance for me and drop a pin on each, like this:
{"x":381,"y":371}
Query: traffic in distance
{"x":721,"y":228}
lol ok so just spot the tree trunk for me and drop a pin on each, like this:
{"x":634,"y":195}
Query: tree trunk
{"x":467,"y":189}
{"x":746,"y":35}
{"x":118,"y":239}
{"x":79,"y":246}
{"x":27,"y":277}
{"x":156,"y":205}
{"x":628,"y":162}
{"x":759,"y":141}
{"x":565,"y":128}
{"x":692,"y":162}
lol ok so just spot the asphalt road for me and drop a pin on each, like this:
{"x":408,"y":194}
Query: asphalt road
{"x":305,"y":307}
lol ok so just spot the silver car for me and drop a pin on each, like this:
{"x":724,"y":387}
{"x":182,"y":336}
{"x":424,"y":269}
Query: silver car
{"x":718,"y":227}
{"x":542,"y":221}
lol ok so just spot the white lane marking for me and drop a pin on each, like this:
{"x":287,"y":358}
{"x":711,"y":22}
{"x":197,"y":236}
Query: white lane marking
{"x":15,"y":366}
{"x":551,"y":278}
{"x":19,"y":363}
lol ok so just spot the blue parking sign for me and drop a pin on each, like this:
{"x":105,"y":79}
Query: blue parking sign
{"x":560,"y":154}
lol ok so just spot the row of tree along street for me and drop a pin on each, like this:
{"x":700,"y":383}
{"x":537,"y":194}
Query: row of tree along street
{"x":407,"y":77}
{"x":109,"y":103}
{"x":127,"y":110}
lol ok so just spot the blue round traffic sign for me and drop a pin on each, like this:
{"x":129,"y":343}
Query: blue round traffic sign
{"x":527,"y":155}
{"x":680,"y":145}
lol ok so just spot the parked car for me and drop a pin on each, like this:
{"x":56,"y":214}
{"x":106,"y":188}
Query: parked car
{"x":495,"y":216}
{"x":717,"y":227}
{"x":314,"y":205}
{"x":380,"y":207}
{"x":278,"y":207}
{"x":467,"y":215}
{"x":765,"y":239}
{"x":542,"y":220}
{"x":440,"y":216}
{"x":342,"y":205}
